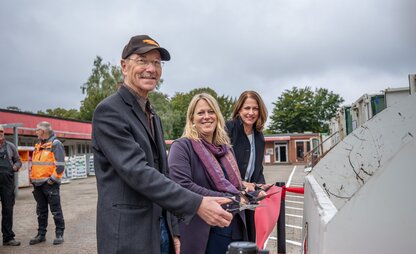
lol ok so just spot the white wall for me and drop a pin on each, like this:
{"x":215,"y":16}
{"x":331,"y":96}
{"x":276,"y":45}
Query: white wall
{"x":366,"y":185}
{"x":381,"y":216}
{"x":393,"y":96}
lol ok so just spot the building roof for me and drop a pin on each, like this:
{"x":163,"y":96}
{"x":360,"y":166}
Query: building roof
{"x":288,"y":136}
{"x":63,"y":128}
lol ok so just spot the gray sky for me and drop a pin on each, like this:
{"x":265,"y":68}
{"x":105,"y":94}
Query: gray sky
{"x":352,"y":47}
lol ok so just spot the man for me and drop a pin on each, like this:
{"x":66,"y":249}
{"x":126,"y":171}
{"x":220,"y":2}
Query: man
{"x":9,"y":164}
{"x":48,"y":162}
{"x":134,"y":193}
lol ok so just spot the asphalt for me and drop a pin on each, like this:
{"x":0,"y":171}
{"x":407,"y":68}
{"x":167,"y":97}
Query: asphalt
{"x":79,"y":199}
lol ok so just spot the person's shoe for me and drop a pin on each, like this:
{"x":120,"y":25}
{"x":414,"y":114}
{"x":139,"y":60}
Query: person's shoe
{"x":37,"y":239}
{"x":58,"y":240}
{"x":11,"y":243}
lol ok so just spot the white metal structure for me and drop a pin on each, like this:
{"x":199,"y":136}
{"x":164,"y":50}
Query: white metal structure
{"x":360,"y":197}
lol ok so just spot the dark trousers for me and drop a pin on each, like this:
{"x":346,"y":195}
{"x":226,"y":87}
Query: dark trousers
{"x":7,"y":203}
{"x":49,"y":195}
{"x":251,"y":227}
{"x":220,"y":238}
{"x":164,"y":237}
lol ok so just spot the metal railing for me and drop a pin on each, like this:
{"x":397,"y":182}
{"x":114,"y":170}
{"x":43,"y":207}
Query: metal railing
{"x":317,"y":153}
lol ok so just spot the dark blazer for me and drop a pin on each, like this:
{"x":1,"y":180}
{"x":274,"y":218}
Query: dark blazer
{"x":186,"y":168}
{"x":130,"y":166}
{"x":241,"y":146}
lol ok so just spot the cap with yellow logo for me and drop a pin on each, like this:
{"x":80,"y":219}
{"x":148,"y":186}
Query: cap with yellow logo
{"x":141,"y":44}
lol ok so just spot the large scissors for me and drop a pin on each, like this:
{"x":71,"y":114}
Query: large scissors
{"x":251,"y":200}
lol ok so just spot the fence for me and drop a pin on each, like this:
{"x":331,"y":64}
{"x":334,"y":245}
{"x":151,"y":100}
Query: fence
{"x":79,"y":166}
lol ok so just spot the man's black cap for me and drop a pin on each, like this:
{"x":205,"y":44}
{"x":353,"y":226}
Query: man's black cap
{"x":141,"y":44}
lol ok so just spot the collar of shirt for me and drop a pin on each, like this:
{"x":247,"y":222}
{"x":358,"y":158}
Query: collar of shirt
{"x":142,"y":101}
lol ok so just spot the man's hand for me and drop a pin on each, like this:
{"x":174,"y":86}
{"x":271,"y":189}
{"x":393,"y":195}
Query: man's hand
{"x":265,"y":186}
{"x":212,"y":213}
{"x":177,"y":244}
{"x":50,"y":182}
{"x":261,"y":194}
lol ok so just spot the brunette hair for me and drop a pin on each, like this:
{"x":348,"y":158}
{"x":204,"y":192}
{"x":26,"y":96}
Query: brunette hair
{"x":259,"y":125}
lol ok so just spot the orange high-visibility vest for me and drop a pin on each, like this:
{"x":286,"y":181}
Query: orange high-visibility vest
{"x":43,"y":163}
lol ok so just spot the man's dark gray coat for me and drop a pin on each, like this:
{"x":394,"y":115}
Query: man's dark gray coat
{"x":130,"y":167}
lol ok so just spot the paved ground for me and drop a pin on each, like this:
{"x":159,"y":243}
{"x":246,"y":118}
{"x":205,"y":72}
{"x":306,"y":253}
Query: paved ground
{"x":79,"y":199}
{"x":293,"y":176}
{"x":79,"y":205}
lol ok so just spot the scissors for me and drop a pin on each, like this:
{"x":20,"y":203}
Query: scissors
{"x":238,"y":206}
{"x":253,"y":195}
{"x":252,"y":201}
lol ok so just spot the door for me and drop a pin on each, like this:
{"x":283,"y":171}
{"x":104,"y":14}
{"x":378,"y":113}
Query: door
{"x":280,"y":152}
{"x":300,"y":150}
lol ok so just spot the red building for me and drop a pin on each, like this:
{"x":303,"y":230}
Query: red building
{"x":290,"y":148}
{"x":75,"y":135}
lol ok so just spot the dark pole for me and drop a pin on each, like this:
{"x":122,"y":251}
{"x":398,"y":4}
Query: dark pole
{"x":16,"y":174}
{"x":281,"y":223}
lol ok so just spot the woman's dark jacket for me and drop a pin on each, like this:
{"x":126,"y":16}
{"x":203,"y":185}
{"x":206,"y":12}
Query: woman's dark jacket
{"x":241,"y":146}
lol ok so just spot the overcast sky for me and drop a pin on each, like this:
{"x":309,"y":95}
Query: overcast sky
{"x":47,"y":47}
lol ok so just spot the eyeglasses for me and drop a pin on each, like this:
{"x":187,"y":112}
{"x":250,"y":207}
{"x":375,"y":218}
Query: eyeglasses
{"x":146,"y":63}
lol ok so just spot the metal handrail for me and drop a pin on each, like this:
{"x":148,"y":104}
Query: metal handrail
{"x":309,"y":154}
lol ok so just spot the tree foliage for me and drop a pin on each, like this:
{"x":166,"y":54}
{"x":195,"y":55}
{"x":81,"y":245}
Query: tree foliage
{"x":161,"y":104}
{"x":61,"y":112}
{"x":301,"y":109}
{"x":102,"y":83}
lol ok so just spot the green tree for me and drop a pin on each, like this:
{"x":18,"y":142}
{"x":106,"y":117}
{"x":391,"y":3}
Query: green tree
{"x":226,"y":105}
{"x":103,"y":82}
{"x":301,"y":109}
{"x":161,"y":104}
{"x":61,"y":112}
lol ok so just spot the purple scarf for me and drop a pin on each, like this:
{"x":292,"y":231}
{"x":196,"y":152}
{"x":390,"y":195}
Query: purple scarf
{"x":211,"y":156}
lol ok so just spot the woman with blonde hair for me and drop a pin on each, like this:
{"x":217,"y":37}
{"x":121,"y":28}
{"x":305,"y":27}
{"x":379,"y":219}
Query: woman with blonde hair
{"x":245,"y":131}
{"x":202,"y":161}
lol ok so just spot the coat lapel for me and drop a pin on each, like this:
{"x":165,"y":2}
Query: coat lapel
{"x":138,"y":112}
{"x":160,"y":143}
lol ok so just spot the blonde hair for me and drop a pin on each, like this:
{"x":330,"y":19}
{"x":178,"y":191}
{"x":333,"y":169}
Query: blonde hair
{"x":220,"y":136}
{"x":262,"y":108}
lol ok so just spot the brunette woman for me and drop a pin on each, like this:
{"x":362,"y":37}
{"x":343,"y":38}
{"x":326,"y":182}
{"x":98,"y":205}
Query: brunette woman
{"x":245,"y":131}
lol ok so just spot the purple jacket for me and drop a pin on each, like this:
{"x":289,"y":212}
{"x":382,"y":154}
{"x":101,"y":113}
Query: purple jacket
{"x":186,"y":169}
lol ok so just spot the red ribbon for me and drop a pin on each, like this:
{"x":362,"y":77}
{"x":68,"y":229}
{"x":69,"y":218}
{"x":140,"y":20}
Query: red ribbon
{"x":266,"y":216}
{"x":267,"y":213}
{"x":299,"y":190}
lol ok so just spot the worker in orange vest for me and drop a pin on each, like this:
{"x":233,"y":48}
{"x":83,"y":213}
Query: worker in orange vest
{"x":48,"y":163}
